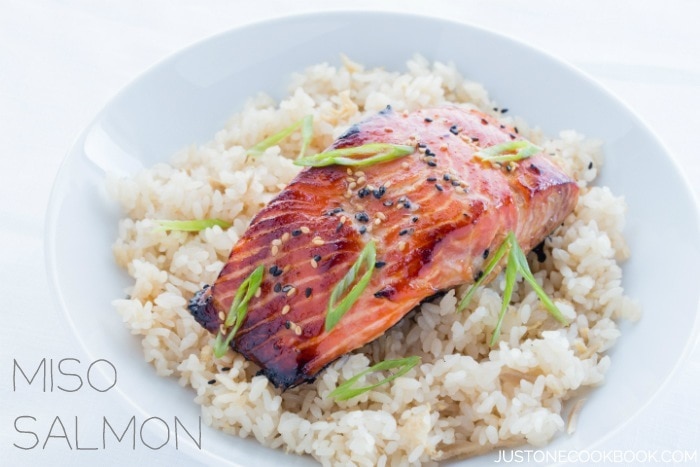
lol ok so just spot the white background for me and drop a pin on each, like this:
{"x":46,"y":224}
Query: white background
{"x":61,"y":61}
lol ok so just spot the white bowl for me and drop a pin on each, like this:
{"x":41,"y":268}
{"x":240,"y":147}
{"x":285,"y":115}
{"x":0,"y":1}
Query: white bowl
{"x":186,"y":98}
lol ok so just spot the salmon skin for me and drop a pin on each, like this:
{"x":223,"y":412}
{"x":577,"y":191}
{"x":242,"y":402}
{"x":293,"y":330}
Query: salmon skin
{"x":435,"y":216}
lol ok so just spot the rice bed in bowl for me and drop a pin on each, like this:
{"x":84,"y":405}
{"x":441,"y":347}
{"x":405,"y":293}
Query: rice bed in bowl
{"x":465,"y":398}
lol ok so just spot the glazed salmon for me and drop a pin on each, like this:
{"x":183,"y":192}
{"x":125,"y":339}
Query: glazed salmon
{"x":434,"y":215}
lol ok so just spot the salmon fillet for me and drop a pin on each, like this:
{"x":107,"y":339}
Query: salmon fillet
{"x":435,"y":216}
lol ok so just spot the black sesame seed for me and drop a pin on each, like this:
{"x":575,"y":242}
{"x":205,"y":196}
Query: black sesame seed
{"x":486,"y":253}
{"x":590,"y":165}
{"x":422,"y":145}
{"x":379,"y":192}
{"x":385,"y":292}
{"x":432,"y":164}
{"x":502,"y":126}
{"x":446,"y":177}
{"x":504,"y":111}
{"x":454,"y":130}
{"x":428,"y":119}
{"x":362,"y":217}
{"x":278,"y":287}
{"x":429,"y":153}
{"x":438,"y":187}
{"x":275,"y":271}
{"x":286,"y":288}
{"x":334,"y":211}
{"x":456,"y":183}
{"x":211,"y":381}
{"x":317,"y":258}
{"x":474,"y":140}
{"x":512,"y":136}
{"x":339,"y":226}
{"x":226,"y":368}
{"x":431,"y":179}
{"x":308,"y":291}
{"x":407,"y":205}
{"x":364,"y":191}
{"x":296,"y":233}
{"x":363,"y":230}
{"x":495,"y":109}
{"x":287,"y":324}
{"x":539,"y":251}
{"x":516,"y":129}
{"x":414,"y":219}
{"x":478,"y":275}
{"x":403,"y":232}
{"x":379,"y":264}
{"x":484,"y":121}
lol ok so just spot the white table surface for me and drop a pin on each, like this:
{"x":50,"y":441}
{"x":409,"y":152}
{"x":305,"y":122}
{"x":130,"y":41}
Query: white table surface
{"x":62,"y":60}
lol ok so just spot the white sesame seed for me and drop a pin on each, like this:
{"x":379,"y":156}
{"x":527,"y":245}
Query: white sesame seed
{"x":285,"y":237}
{"x":405,"y":165}
{"x":297,"y":330}
{"x":275,"y":250}
{"x":277,"y":242}
{"x":377,"y":221}
{"x":305,"y":229}
{"x":317,"y":241}
{"x":402,"y":246}
{"x":352,"y":186}
{"x":286,"y":268}
{"x":359,"y":173}
{"x":291,"y":292}
{"x":258,"y":292}
{"x":361,"y":180}
{"x":285,"y":309}
{"x":381,"y":215}
{"x":314,"y":263}
{"x":222,"y":316}
{"x":349,"y":171}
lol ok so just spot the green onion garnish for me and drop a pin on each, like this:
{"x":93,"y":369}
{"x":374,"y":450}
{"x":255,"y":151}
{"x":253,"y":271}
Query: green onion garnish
{"x":238,"y":310}
{"x":510,"y":151}
{"x":191,"y":226}
{"x":345,"y":391}
{"x":337,"y":310}
{"x":306,"y":125}
{"x":517,"y":263}
{"x":356,"y":156}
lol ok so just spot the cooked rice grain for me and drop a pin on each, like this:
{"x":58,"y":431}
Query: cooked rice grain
{"x":465,"y":398}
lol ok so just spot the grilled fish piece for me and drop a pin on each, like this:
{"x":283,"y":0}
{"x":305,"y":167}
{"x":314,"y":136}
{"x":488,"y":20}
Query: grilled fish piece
{"x":435,"y":216}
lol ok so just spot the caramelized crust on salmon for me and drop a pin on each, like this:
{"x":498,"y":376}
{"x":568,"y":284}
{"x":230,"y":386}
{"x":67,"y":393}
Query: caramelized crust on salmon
{"x":435,"y":215}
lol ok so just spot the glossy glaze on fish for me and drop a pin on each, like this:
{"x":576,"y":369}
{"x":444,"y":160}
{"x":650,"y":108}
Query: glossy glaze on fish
{"x":435,"y":216}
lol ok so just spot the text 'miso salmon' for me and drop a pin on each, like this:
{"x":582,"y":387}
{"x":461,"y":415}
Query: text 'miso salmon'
{"x":435,"y":216}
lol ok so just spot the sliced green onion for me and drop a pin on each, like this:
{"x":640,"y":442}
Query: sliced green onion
{"x":307,"y":132}
{"x":336,"y":309}
{"x":511,"y":273}
{"x":517,"y":263}
{"x":524,"y":270}
{"x":191,"y":226}
{"x":356,"y":156}
{"x":345,"y":391}
{"x":495,"y":259}
{"x":510,"y":151}
{"x":306,"y":125}
{"x":238,"y":310}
